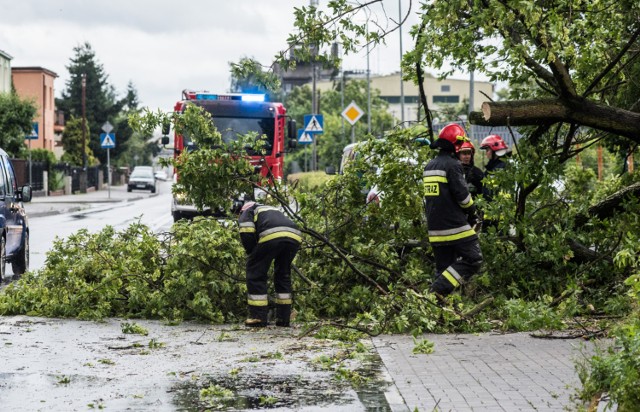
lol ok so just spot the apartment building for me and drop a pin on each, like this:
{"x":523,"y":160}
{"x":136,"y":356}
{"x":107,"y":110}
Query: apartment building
{"x":5,"y":72}
{"x":36,"y":84}
{"x":438,"y":92}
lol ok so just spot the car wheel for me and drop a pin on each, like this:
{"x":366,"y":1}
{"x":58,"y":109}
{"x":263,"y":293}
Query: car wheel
{"x":153,"y":189}
{"x":128,"y":189}
{"x":3,"y":257}
{"x":176,"y":216}
{"x":20,"y":264}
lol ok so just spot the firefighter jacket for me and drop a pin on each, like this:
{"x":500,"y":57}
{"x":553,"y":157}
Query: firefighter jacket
{"x":473,"y":176}
{"x":447,"y":201}
{"x":261,"y":223}
{"x":494,"y":164}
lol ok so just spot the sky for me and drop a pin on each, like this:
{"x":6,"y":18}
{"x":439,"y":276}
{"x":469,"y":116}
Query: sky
{"x":163,"y":47}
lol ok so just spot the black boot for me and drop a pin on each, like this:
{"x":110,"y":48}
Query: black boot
{"x":283,"y":315}
{"x":257,"y":317}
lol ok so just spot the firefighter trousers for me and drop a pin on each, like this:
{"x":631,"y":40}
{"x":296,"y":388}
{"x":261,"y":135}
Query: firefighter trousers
{"x":280,"y":252}
{"x":455,"y":264}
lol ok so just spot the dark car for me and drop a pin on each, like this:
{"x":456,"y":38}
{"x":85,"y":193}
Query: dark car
{"x":14,"y":225}
{"x":142,"y":178}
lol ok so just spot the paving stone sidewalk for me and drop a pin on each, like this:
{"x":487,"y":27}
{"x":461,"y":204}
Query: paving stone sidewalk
{"x":485,"y":372}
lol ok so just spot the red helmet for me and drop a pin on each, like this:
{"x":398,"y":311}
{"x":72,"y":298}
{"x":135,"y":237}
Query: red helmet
{"x":466,"y":145}
{"x":454,"y":134}
{"x":494,"y":143}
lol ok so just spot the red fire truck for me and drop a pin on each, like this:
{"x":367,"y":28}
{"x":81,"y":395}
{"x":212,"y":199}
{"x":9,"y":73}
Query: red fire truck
{"x":235,"y":115}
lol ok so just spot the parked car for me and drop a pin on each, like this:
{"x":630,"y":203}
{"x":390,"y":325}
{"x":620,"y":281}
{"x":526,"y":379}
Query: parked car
{"x":14,"y":225}
{"x":142,"y":178}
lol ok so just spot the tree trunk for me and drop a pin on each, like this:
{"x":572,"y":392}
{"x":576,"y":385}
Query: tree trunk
{"x":545,"y":111}
{"x":608,"y":206}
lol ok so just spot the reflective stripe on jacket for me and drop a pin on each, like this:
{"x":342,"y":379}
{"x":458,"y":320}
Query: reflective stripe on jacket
{"x":260,"y":223}
{"x":446,"y":197}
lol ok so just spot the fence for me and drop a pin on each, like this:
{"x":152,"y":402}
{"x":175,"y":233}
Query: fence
{"x":35,"y":176}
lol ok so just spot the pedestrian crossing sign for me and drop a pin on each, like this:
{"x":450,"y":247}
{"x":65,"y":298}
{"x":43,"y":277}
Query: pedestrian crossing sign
{"x":107,"y":141}
{"x":313,"y":123}
{"x":34,"y":132}
{"x":304,"y":137}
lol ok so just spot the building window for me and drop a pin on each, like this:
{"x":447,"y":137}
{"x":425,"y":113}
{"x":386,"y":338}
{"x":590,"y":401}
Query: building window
{"x":445,"y":88}
{"x":446,"y":99}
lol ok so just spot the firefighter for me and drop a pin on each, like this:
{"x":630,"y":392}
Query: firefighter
{"x":450,"y":215}
{"x":496,"y":149}
{"x":472,"y":174}
{"x":268,"y":236}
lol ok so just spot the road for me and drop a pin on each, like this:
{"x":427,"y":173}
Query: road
{"x":152,"y":210}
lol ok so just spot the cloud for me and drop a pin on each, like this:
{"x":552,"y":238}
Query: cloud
{"x":161,"y":47}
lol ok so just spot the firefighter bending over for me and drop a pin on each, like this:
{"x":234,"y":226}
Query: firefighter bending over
{"x":268,"y":236}
{"x":450,"y":215}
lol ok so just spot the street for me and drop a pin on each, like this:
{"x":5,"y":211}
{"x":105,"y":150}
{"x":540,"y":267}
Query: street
{"x":152,"y":210}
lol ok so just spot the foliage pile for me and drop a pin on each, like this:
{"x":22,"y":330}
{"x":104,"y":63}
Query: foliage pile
{"x":193,"y":273}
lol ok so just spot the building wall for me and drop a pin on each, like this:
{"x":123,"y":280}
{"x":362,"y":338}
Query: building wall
{"x":439,"y":92}
{"x":37,"y":85}
{"x":5,"y":72}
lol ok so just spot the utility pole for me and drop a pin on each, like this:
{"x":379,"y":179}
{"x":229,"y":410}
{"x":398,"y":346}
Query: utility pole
{"x":314,"y":97}
{"x":368,"y":81}
{"x":471,"y":103}
{"x":84,"y":120}
{"x":83,"y":175}
{"x":401,"y":81}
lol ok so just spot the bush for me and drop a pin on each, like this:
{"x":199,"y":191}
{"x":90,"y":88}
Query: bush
{"x":309,"y":180}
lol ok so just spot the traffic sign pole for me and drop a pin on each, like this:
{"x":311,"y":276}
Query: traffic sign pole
{"x":108,"y":141}
{"x":108,"y":174}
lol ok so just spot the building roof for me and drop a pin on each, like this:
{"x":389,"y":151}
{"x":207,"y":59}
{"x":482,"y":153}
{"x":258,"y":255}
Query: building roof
{"x":6,"y":55}
{"x":36,"y":69}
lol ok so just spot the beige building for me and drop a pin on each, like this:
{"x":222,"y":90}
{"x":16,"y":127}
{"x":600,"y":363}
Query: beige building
{"x":5,"y":72}
{"x":439,"y":92}
{"x":36,"y":84}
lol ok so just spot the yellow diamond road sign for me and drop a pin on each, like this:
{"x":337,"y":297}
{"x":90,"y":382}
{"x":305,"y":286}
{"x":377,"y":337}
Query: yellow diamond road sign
{"x":352,"y":113}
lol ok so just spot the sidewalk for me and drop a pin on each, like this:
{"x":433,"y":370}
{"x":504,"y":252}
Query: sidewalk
{"x":51,"y":205}
{"x":484,"y":372}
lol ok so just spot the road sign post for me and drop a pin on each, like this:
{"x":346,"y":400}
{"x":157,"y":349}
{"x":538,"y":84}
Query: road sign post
{"x":108,"y":141}
{"x":352,"y":113}
{"x":313,"y":124}
{"x":32,"y":136}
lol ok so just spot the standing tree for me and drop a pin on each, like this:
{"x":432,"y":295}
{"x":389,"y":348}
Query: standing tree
{"x":100,"y":98}
{"x":16,"y":116}
{"x":335,"y":137}
{"x":72,"y":144}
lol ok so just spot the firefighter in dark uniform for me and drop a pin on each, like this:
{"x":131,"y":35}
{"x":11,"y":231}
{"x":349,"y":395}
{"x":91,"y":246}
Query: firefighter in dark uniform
{"x":472,"y":174}
{"x":268,"y":236}
{"x":496,"y":149}
{"x":450,"y":215}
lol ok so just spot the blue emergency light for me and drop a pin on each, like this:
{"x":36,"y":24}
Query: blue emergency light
{"x":253,"y":97}
{"x":232,"y":96}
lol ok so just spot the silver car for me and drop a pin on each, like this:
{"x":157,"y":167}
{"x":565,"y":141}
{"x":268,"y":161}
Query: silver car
{"x":142,"y":178}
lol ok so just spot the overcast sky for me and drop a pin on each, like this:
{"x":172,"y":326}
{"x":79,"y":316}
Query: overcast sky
{"x":162,"y":46}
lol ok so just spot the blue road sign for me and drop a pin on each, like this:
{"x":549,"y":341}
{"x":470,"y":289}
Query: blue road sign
{"x":107,"y":140}
{"x":304,"y":137}
{"x":313,"y":123}
{"x":34,"y":132}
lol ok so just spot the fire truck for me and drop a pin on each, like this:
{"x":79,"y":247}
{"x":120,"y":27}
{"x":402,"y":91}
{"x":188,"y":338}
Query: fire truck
{"x":235,"y":115}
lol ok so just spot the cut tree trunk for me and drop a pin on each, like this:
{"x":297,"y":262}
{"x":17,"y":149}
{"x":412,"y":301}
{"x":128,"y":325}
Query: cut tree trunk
{"x":547,"y":111}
